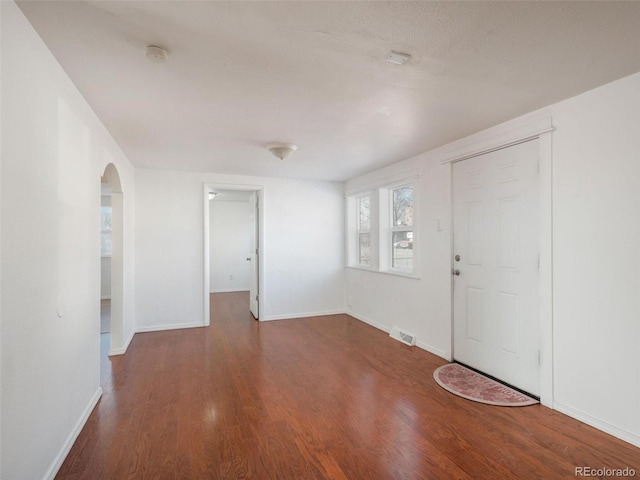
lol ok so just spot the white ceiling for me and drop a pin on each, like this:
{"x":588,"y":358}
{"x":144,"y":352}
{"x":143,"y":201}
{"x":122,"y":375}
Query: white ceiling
{"x":241,"y":74}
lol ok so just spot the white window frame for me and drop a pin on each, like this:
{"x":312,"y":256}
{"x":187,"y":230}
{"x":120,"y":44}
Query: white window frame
{"x":353,"y":230}
{"x":360,"y":231}
{"x":381,"y":228}
{"x":395,"y":228}
{"x":387,"y":228}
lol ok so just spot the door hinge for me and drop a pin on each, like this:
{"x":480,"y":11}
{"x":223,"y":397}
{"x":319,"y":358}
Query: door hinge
{"x":257,"y":297}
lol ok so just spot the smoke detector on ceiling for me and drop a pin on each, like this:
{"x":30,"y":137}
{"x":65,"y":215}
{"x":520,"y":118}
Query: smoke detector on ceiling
{"x":281,"y":150}
{"x":397,"y":58}
{"x":156,"y":54}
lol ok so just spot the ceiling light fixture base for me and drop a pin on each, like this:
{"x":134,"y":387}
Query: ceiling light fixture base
{"x":156,"y":54}
{"x":281,"y":150}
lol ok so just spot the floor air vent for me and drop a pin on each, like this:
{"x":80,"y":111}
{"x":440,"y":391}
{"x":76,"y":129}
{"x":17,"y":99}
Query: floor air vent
{"x":402,"y":336}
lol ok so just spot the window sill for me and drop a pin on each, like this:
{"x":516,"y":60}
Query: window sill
{"x":358,"y":267}
{"x":394,"y":273}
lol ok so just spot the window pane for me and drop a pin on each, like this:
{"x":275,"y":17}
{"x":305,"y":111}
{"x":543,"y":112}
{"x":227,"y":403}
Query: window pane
{"x":403,"y":206}
{"x":105,"y":218}
{"x":402,"y":256}
{"x":364,"y":248}
{"x":364,"y":213}
{"x":105,"y":245}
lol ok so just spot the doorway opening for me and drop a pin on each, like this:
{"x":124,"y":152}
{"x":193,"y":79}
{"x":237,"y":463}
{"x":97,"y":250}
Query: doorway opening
{"x":233,"y":244}
{"x":111,"y":271}
{"x":105,"y":267}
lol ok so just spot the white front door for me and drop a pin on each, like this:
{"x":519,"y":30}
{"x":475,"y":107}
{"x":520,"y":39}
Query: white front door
{"x":254,"y":254}
{"x":496,"y":263}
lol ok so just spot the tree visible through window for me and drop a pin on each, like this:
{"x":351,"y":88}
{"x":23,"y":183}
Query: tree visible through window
{"x":402,"y":227}
{"x":381,"y":226}
{"x":364,"y":230}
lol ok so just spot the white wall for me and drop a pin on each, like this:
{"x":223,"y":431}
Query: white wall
{"x":596,"y":254}
{"x":419,"y":306}
{"x":229,"y":246}
{"x":1,"y":152}
{"x":54,"y":150}
{"x":303,"y":245}
{"x":596,"y":258}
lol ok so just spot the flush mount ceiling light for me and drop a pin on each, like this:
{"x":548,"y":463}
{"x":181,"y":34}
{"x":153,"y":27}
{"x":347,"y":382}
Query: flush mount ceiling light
{"x":156,"y":54}
{"x":397,"y":58}
{"x":281,"y":150}
{"x":212,"y":195}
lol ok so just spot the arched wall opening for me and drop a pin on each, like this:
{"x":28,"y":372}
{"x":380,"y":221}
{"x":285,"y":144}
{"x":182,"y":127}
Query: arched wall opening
{"x":110,"y":182}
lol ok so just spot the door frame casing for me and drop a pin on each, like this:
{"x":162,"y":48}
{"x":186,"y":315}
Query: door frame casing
{"x":499,"y":138}
{"x":207,"y":187}
{"x":254,"y":255}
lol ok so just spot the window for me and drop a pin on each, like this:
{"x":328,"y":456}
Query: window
{"x":381,"y":229}
{"x":363,"y":205}
{"x":105,"y":227}
{"x":401,"y":229}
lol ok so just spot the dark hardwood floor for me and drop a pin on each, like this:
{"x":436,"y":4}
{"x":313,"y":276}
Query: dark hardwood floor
{"x":320,"y":398}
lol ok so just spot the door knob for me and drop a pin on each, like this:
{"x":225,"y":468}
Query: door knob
{"x":455,"y":271}
{"x":248,"y":259}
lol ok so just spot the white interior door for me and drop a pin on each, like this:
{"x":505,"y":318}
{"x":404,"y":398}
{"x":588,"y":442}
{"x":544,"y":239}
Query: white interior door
{"x":496,"y":264}
{"x":254,"y":254}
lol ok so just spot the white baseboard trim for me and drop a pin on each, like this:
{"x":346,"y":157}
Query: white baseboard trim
{"x":606,"y":427}
{"x":379,"y":326}
{"x":162,"y":328}
{"x":290,"y":316}
{"x":424,"y":346}
{"x":431,"y":349}
{"x":64,"y":451}
{"x":123,"y":349}
{"x":229,"y":290}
